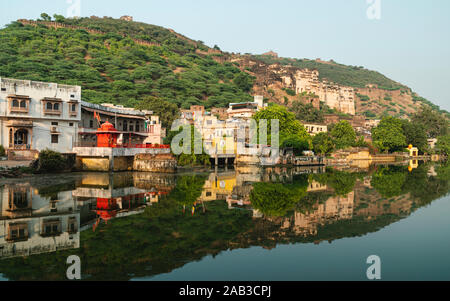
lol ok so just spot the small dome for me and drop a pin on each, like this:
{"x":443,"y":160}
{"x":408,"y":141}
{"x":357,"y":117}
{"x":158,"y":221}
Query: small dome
{"x":107,"y":127}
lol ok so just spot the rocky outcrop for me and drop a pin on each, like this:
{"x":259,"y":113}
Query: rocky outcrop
{"x":273,"y":80}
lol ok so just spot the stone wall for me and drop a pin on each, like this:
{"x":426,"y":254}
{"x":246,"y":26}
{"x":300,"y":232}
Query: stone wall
{"x":165,"y":163}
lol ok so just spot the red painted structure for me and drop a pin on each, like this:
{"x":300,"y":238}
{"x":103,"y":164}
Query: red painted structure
{"x":107,"y":135}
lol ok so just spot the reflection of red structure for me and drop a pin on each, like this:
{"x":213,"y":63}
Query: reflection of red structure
{"x":106,"y":208}
{"x":107,"y":135}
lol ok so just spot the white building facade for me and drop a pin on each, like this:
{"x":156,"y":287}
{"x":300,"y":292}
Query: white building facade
{"x":35,"y":116}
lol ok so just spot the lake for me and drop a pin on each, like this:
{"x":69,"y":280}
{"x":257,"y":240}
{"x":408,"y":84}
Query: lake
{"x":246,"y":223}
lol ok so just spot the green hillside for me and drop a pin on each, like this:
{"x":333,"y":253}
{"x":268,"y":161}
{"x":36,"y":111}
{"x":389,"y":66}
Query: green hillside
{"x":114,"y":68}
{"x":128,"y":62}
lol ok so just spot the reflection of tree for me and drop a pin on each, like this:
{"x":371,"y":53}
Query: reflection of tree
{"x":188,"y":189}
{"x":423,"y":188}
{"x":342,"y":182}
{"x":276,"y":199}
{"x":389,"y":181}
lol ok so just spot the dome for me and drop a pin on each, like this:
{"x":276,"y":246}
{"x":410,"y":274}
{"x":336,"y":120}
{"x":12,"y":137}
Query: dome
{"x":107,"y":127}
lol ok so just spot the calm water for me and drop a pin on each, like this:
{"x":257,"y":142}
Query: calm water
{"x":244,"y":224}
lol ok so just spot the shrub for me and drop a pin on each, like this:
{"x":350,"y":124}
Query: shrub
{"x":50,"y":161}
{"x":2,"y":151}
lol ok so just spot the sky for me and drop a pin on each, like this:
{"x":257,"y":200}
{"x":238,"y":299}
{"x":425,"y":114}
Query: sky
{"x":406,"y":40}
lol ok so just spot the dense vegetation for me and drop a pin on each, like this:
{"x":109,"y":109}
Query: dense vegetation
{"x":113,"y":68}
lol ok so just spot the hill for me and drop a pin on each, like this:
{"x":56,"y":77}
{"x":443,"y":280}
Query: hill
{"x":125,"y":62}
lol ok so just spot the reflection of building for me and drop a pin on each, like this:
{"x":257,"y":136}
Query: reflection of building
{"x":31,"y":223}
{"x":218,"y":186}
{"x":36,"y":115}
{"x":120,"y":194}
{"x":335,"y":208}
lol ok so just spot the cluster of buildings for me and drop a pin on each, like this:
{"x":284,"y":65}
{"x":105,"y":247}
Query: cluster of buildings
{"x":219,"y":127}
{"x":36,"y":115}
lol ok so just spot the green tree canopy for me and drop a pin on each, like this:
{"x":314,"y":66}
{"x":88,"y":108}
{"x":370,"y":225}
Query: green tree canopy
{"x":322,"y":144}
{"x":343,"y":134}
{"x":434,"y":123}
{"x":415,"y":134}
{"x":388,"y":135}
{"x":289,"y":126}
{"x":166,"y":111}
{"x":306,"y":112}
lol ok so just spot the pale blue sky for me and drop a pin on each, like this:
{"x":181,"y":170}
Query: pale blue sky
{"x":410,"y":43}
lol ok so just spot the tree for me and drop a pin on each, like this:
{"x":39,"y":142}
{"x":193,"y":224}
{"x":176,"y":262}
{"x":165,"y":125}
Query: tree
{"x":298,"y":144}
{"x":46,"y":17}
{"x":415,"y":134}
{"x":306,"y":112}
{"x":434,"y":123}
{"x":59,"y":18}
{"x":322,"y":144}
{"x":166,"y":111}
{"x":243,"y":81}
{"x":343,"y":134}
{"x":289,"y":126}
{"x":388,"y":135}
{"x":443,"y":145}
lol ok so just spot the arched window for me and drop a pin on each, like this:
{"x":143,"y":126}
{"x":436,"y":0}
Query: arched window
{"x":15,"y":103}
{"x":49,"y":106}
{"x":56,"y":107}
{"x":23,"y":104}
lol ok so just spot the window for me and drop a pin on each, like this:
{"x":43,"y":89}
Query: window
{"x":17,"y":232}
{"x":137,"y":127}
{"x":15,"y":103}
{"x":73,"y":108}
{"x":52,"y":106}
{"x":54,"y":123}
{"x":70,"y":123}
{"x":54,"y":139}
{"x":3,"y":89}
{"x":91,"y":123}
{"x":51,"y":227}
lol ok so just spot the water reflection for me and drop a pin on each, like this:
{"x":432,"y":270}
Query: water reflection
{"x":128,"y":225}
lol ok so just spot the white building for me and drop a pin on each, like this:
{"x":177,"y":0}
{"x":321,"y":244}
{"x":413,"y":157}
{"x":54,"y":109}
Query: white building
{"x":37,"y":115}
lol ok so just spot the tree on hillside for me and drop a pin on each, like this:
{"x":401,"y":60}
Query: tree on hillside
{"x":306,"y":112}
{"x":434,"y":123}
{"x":289,"y":126}
{"x":343,"y":134}
{"x":244,"y":81}
{"x":166,"y":111}
{"x":46,"y":17}
{"x":388,"y":135}
{"x":322,"y":144}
